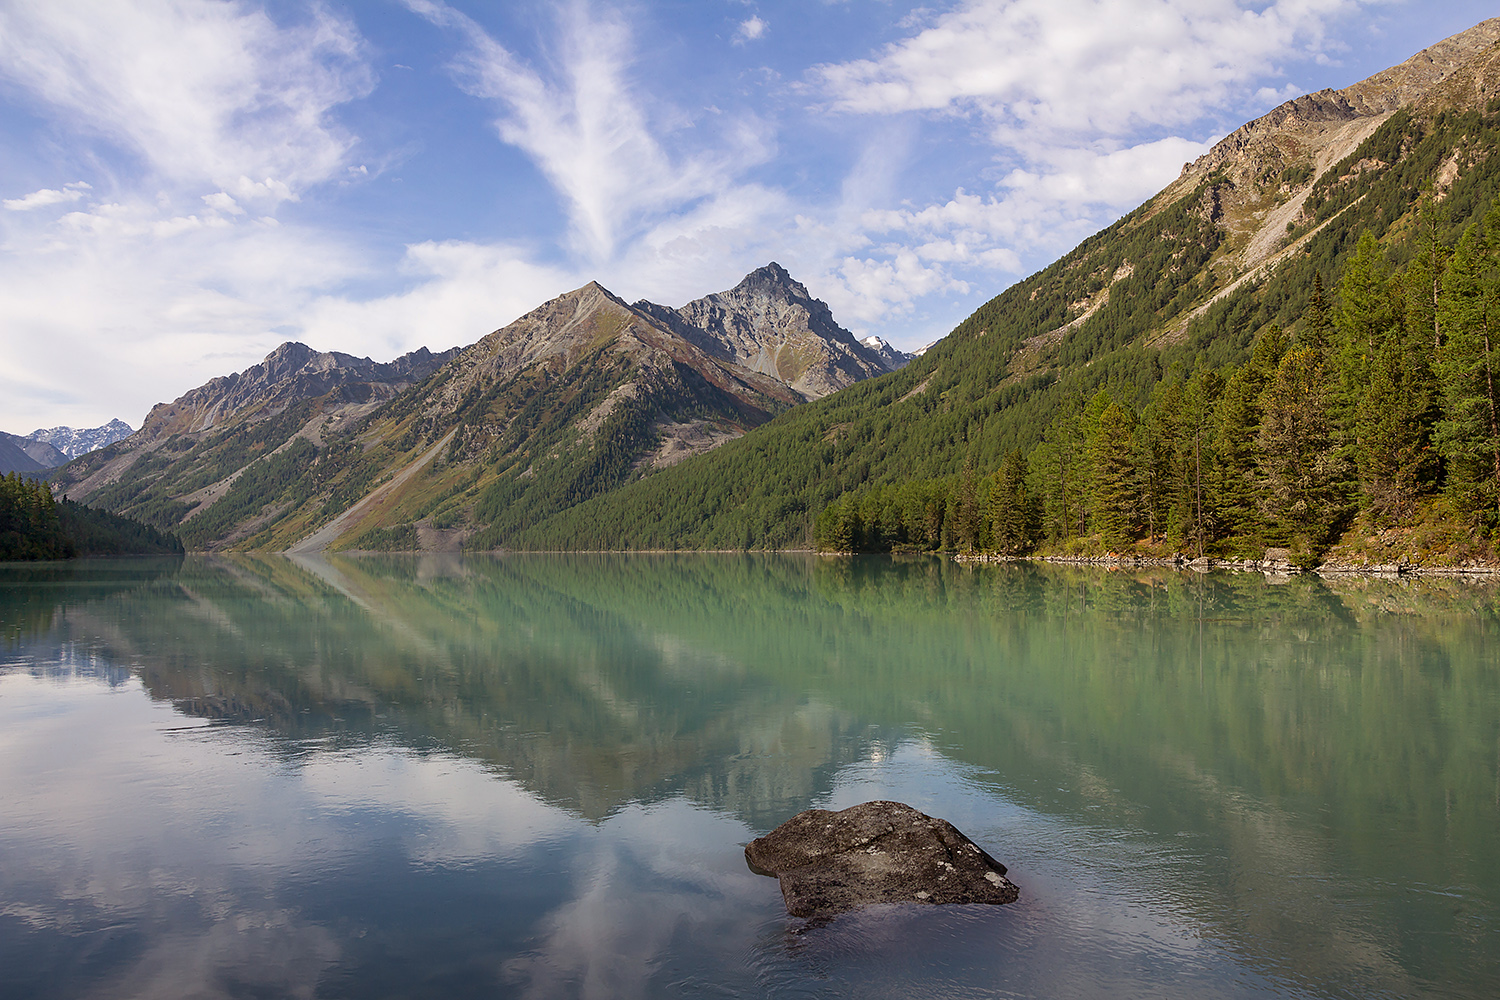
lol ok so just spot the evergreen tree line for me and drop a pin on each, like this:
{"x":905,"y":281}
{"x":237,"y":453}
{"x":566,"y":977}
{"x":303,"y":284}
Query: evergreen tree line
{"x":34,"y":525}
{"x":1380,"y":407}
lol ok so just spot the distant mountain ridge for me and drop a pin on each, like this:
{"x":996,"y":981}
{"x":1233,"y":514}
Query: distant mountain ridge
{"x":72,"y":443}
{"x":291,"y":372}
{"x":48,"y":448}
{"x":18,"y":454}
{"x":582,"y":394}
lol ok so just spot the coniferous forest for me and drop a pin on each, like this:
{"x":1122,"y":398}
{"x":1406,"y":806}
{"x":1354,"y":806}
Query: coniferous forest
{"x":1381,"y":412}
{"x":1346,"y":395}
{"x":34,"y":526}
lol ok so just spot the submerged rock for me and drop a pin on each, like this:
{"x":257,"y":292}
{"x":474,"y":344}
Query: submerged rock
{"x":877,"y":852}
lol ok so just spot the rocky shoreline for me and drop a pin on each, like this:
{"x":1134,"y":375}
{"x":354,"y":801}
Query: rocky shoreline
{"x":1275,"y":563}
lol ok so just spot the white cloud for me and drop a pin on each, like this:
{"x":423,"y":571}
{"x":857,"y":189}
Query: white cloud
{"x":588,"y":130}
{"x":47,"y":196}
{"x":221,"y":201}
{"x":751,"y":29}
{"x":1101,"y":67}
{"x":202,"y":92}
{"x":140,"y":303}
{"x":462,"y":291}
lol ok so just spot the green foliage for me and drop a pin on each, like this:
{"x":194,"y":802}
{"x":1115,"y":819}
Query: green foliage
{"x":1237,"y":437}
{"x":35,"y":526}
{"x":1468,"y":363}
{"x":402,"y":538}
{"x":29,"y":525}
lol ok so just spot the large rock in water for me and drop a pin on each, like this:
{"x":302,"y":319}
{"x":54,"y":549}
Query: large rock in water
{"x":878,"y":852}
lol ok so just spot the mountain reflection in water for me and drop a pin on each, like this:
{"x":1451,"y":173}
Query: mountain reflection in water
{"x":534,"y":776}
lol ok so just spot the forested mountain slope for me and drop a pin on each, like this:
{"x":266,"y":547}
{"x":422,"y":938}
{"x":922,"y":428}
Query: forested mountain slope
{"x":1231,"y":251}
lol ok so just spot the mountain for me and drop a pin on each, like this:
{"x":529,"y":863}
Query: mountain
{"x":769,"y":323}
{"x":892,"y":357}
{"x":18,"y":454}
{"x":290,"y":373}
{"x":72,"y":443}
{"x":1189,"y":282}
{"x":191,"y":452}
{"x":593,"y":424}
{"x":575,"y":398}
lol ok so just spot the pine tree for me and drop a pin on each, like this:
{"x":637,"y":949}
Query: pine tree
{"x":1468,"y":367}
{"x":1389,"y":430}
{"x":1297,"y":456}
{"x":1011,"y":507}
{"x":1192,"y":513}
{"x":965,"y":514}
{"x":1113,"y":494}
{"x":1316,"y":331}
{"x":1155,"y":466}
{"x":1365,"y":314}
{"x":1234,"y":473}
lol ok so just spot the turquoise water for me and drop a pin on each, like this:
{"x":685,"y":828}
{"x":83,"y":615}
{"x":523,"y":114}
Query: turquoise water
{"x":534,"y":776}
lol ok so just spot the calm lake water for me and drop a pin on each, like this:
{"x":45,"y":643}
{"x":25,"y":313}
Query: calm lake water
{"x":534,"y":776}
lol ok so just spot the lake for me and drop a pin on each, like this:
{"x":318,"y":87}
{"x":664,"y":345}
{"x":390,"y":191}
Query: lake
{"x":534,"y":776}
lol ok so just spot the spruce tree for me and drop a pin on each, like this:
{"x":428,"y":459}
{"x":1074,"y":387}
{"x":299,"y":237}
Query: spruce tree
{"x":1011,"y":508}
{"x":1316,"y":329}
{"x":1234,"y":472}
{"x":1468,"y":367}
{"x":1113,"y":495}
{"x":1297,"y":456}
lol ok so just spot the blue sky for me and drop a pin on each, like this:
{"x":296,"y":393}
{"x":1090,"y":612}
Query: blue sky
{"x":185,"y":184}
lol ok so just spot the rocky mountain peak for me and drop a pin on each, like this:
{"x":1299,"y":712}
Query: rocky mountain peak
{"x":771,"y":324}
{"x":291,"y":372}
{"x":772,"y":277}
{"x":72,"y":442}
{"x":1313,"y":121}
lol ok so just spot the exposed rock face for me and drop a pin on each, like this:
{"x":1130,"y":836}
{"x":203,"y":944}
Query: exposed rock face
{"x":877,"y":852}
{"x":891,"y":357}
{"x":291,"y":372}
{"x":1287,"y":130}
{"x":770,"y":324}
{"x":660,"y":371}
{"x":71,"y":443}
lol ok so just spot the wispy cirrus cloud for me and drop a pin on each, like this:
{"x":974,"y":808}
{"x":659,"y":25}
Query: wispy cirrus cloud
{"x":201,"y":92}
{"x":589,"y":130}
{"x":201,"y":116}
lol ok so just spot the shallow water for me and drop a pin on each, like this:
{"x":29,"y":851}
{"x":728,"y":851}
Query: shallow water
{"x":534,"y":776}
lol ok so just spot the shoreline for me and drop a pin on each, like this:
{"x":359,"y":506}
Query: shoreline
{"x":1275,"y":568}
